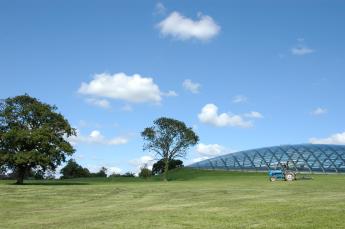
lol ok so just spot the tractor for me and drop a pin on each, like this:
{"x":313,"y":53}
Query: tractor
{"x":282,"y":172}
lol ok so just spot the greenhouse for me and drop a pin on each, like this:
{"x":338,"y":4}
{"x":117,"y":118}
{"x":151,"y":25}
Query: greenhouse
{"x":303,"y":158}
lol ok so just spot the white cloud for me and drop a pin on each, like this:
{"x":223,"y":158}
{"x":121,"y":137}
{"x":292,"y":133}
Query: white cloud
{"x":191,"y":86}
{"x":117,"y":141}
{"x":146,"y":160}
{"x":103,"y":103}
{"x":254,"y":114}
{"x":135,"y":88}
{"x":160,"y":8}
{"x":210,"y":150}
{"x":209,"y":114}
{"x":96,"y":137}
{"x":198,"y":159}
{"x":183,"y":28}
{"x":239,"y":99}
{"x":338,"y":139}
{"x":301,"y":50}
{"x":319,"y":111}
{"x":112,"y":170}
{"x":170,"y":94}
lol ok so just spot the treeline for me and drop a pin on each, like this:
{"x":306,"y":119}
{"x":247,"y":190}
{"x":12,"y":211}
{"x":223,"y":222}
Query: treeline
{"x":74,"y":170}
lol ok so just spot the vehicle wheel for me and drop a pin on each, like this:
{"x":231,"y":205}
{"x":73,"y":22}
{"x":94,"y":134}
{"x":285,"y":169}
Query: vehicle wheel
{"x":289,"y":176}
{"x":272,"y":179}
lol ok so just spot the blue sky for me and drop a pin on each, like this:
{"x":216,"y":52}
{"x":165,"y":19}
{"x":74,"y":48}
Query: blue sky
{"x":244,"y":74}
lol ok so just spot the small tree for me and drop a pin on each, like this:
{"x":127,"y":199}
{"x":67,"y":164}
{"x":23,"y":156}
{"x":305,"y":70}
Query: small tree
{"x":145,"y":172}
{"x":32,"y":136}
{"x":73,"y":170}
{"x":158,"y":167}
{"x":169,"y":139}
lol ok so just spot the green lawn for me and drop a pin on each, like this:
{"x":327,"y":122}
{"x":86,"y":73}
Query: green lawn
{"x":192,"y":199}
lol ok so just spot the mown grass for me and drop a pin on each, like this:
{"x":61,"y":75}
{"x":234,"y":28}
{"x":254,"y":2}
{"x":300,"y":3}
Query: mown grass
{"x":192,"y":199}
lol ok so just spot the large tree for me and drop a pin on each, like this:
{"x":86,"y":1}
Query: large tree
{"x":169,"y":139}
{"x":32,"y":136}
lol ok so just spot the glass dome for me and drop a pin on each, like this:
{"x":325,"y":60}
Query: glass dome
{"x":303,"y":158}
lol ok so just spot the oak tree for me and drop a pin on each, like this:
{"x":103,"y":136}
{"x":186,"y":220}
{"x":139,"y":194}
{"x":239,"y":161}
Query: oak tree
{"x":33,"y":135}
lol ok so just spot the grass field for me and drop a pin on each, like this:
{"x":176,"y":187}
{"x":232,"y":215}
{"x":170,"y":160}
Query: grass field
{"x":192,"y":199}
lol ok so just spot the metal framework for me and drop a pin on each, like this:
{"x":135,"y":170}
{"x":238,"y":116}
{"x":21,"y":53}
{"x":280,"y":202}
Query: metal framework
{"x":305,"y":158}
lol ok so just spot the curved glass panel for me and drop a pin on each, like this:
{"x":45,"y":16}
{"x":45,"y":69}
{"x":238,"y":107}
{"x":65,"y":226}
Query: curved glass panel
{"x":303,"y":158}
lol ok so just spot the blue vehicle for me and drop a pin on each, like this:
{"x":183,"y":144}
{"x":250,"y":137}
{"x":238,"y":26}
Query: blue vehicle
{"x":282,"y":172}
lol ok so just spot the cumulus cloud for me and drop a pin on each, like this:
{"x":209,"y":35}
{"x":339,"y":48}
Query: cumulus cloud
{"x":319,"y":111}
{"x":239,"y":99}
{"x":209,"y":114}
{"x":96,"y":137}
{"x":338,"y":139}
{"x":210,"y":150}
{"x":191,"y":86}
{"x":183,"y":28}
{"x":135,"y":88}
{"x":254,"y":114}
{"x":103,"y":103}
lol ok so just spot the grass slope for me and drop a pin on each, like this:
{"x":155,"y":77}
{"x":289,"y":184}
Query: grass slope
{"x":192,"y":199}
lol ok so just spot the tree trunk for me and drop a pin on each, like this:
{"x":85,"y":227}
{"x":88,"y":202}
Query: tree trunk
{"x":166,"y":168}
{"x":20,"y":174}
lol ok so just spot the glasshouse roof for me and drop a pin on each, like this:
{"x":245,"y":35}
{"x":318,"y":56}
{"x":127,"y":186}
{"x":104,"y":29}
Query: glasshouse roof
{"x":304,"y":158}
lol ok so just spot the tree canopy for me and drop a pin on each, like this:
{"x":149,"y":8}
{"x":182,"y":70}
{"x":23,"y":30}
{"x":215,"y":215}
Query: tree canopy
{"x":73,"y":170}
{"x":158,"y":167}
{"x":169,"y":139}
{"x":33,"y":136}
